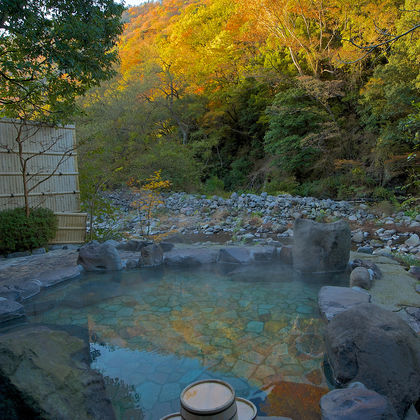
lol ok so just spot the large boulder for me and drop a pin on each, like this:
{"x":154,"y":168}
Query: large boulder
{"x":374,"y":346}
{"x":333,"y":300}
{"x":356,"y":404}
{"x":191,"y":256}
{"x":44,"y":373}
{"x":321,"y":247}
{"x":99,"y":257}
{"x":151,"y":256}
{"x":132,"y":245}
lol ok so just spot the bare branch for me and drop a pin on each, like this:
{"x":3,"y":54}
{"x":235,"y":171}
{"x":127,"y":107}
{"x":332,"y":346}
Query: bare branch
{"x":63,"y":159}
{"x":370,"y":48}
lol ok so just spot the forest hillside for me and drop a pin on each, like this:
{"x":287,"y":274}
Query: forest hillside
{"x":308,"y":97}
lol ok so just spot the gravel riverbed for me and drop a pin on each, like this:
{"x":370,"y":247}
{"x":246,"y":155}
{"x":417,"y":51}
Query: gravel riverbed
{"x":264,"y":219}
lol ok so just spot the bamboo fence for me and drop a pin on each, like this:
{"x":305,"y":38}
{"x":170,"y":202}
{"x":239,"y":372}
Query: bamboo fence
{"x":53,"y":160}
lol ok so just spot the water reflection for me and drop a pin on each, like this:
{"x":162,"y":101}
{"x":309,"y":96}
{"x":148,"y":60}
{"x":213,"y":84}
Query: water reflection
{"x":155,"y":381}
{"x":155,"y":331}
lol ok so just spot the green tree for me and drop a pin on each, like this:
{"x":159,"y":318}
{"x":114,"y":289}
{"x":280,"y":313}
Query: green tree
{"x":297,"y":130}
{"x":51,"y":51}
{"x":390,"y":108}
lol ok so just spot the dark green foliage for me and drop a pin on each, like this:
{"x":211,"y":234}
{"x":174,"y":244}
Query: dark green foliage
{"x":21,"y":233}
{"x":52,"y":51}
{"x":295,"y":119}
{"x":214,"y":185}
{"x":237,"y":177}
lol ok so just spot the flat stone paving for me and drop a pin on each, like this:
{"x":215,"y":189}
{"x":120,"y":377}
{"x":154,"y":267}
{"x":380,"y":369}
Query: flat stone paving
{"x":396,"y":288}
{"x":18,"y":270}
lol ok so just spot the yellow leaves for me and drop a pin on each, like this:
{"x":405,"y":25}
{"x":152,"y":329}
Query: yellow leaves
{"x":155,"y":182}
{"x":149,"y":196}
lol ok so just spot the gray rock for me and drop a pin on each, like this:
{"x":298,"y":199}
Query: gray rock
{"x":49,"y":368}
{"x":133,"y":245}
{"x":9,"y":292}
{"x":321,"y":247}
{"x":99,"y":257}
{"x":151,"y":256}
{"x":415,"y":271}
{"x":235,"y":254}
{"x":365,"y":249}
{"x":113,"y":242}
{"x":356,"y":404}
{"x":190,"y":256}
{"x":30,"y":289}
{"x":10,"y":309}
{"x":333,"y":300}
{"x":51,"y":278}
{"x":413,"y":240}
{"x":384,"y":252}
{"x":376,"y":347}
{"x":360,"y":277}
{"x":357,"y":236}
{"x":413,"y":318}
{"x":248,"y":237}
{"x":370,"y":266}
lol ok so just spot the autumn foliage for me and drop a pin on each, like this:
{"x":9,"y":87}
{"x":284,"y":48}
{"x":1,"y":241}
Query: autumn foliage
{"x":265,"y":94}
{"x":149,"y":198}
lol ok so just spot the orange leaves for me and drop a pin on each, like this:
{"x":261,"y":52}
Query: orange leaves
{"x":211,"y":42}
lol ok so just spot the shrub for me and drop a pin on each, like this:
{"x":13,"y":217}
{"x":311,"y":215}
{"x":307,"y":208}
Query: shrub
{"x":280,"y":186}
{"x":384,"y":207}
{"x":214,"y":185}
{"x":21,"y":233}
{"x":382,"y":193}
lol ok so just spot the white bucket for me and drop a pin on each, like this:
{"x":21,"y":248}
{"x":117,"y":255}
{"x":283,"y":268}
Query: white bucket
{"x":208,"y":400}
{"x":246,"y":409}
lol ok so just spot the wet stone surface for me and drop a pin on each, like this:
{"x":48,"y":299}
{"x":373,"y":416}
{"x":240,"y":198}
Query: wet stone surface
{"x":155,"y":331}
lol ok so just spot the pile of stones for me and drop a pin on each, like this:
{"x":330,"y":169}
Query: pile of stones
{"x":265,"y":218}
